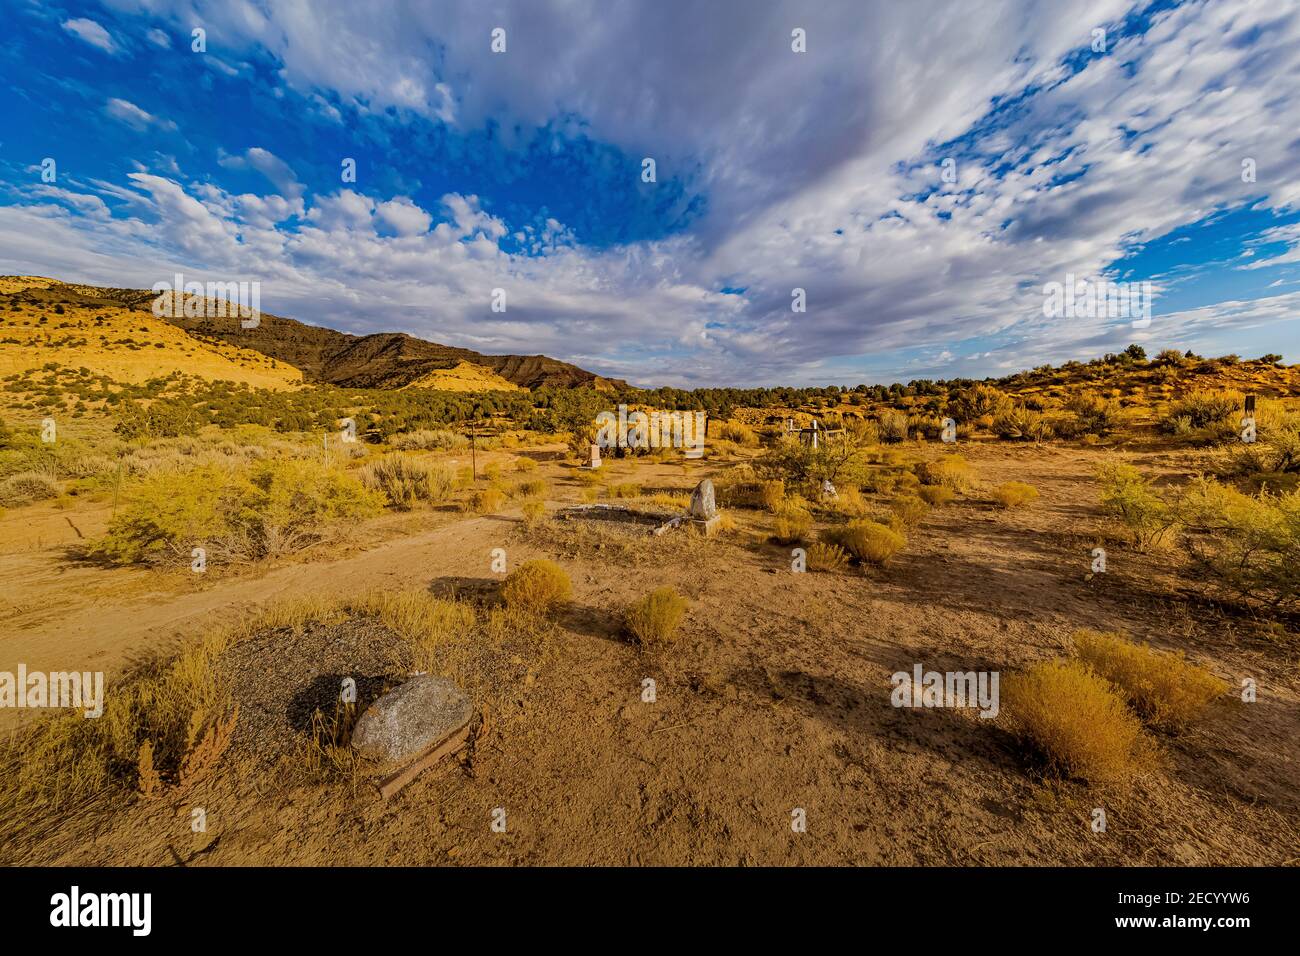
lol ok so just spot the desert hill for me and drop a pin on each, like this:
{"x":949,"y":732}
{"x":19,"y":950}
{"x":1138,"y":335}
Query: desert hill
{"x":43,"y":322}
{"x":379,"y":360}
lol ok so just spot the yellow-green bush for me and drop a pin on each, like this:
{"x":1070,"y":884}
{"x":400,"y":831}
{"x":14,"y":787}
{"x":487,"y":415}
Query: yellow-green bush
{"x":537,"y":586}
{"x":407,"y":479}
{"x":948,"y":471}
{"x":868,"y":540}
{"x":1165,"y":689}
{"x":534,"y":510}
{"x":1014,"y":494}
{"x":1127,"y":495}
{"x":936,"y":495}
{"x":654,"y":619}
{"x":824,"y":556}
{"x":487,"y":501}
{"x":268,"y":508}
{"x":909,"y":510}
{"x":793,"y":524}
{"x":1075,"y":720}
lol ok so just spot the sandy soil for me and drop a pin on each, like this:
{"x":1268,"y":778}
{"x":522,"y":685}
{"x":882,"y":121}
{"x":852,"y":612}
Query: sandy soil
{"x":775,"y":697}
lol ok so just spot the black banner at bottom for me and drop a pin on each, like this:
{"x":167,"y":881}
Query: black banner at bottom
{"x":366,"y":905}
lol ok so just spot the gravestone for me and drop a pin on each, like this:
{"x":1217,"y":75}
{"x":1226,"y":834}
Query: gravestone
{"x":595,"y":457}
{"x":703,"y":512}
{"x":412,"y":726}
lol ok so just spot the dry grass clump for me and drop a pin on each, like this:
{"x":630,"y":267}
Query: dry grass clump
{"x":428,"y":624}
{"x":949,"y":471}
{"x":163,"y":729}
{"x":533,"y":488}
{"x":654,"y":619}
{"x":525,"y":465}
{"x":1075,"y":720}
{"x":824,"y":556}
{"x":26,"y":487}
{"x":1166,"y":690}
{"x":534,"y":511}
{"x":627,"y":489}
{"x":868,"y":541}
{"x":793,"y":524}
{"x":407,"y":479}
{"x":537,"y":586}
{"x":936,"y":495}
{"x":487,"y":501}
{"x":1014,"y":494}
{"x":849,"y":502}
{"x":771,"y":494}
{"x":909,"y":510}
{"x":328,"y":749}
{"x":739,"y":433}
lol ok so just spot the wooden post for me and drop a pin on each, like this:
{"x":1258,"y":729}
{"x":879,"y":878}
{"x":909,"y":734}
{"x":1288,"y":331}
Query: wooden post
{"x":473,"y":454}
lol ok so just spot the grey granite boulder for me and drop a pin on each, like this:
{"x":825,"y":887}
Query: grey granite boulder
{"x":703,"y":505}
{"x":410,"y":719}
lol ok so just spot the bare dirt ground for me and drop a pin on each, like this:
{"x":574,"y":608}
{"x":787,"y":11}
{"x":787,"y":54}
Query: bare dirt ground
{"x":776,"y":696}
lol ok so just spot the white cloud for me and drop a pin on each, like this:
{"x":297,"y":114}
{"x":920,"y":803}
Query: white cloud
{"x":124,"y":111}
{"x":404,"y":217}
{"x":92,"y":33}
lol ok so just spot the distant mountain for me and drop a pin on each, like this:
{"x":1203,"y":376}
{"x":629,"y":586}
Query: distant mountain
{"x":379,"y":360}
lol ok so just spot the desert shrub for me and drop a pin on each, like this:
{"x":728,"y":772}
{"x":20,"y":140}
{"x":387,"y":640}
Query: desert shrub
{"x":867,"y":541}
{"x":534,"y":510}
{"x":825,"y":556}
{"x":525,"y":465}
{"x":891,"y":426}
{"x":537,"y":586}
{"x":793,"y":524}
{"x":1249,"y":542}
{"x":948,"y":471}
{"x":979,"y":402}
{"x":1014,"y":494}
{"x":1166,"y":690}
{"x":492,"y":471}
{"x":848,"y":501}
{"x":1022,"y":424}
{"x":654,"y":619}
{"x":772,"y":494}
{"x":739,"y":433}
{"x":1127,"y":495}
{"x":487,"y":501}
{"x":1203,"y":409}
{"x":936,"y":495}
{"x":881,"y":481}
{"x":1075,"y":720}
{"x":909,"y":510}
{"x":534,"y":488}
{"x":1092,"y":415}
{"x":269,"y":508}
{"x":26,"y":487}
{"x":627,"y":489}
{"x":437,"y":439}
{"x":406,"y":479}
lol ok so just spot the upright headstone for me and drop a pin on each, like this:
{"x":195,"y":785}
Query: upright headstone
{"x":703,"y":511}
{"x":595,"y":456}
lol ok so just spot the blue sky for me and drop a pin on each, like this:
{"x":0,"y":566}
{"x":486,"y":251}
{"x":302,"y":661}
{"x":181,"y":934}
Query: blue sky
{"x":775,"y":170}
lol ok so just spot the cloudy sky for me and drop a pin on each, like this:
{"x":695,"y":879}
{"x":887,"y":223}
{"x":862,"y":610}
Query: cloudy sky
{"x":921,"y":170}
